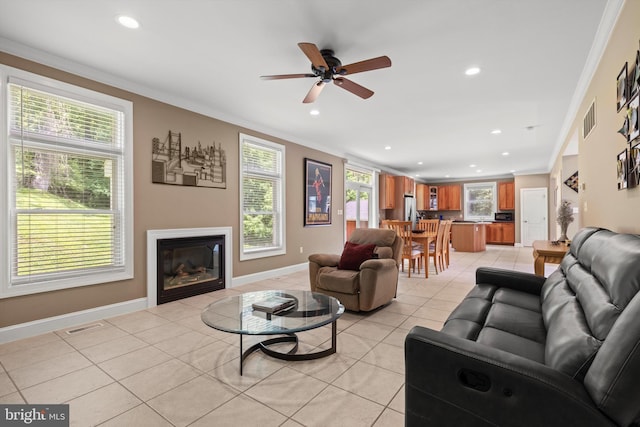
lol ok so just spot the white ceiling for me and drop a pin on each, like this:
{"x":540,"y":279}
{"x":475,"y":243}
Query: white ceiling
{"x":207,"y":55}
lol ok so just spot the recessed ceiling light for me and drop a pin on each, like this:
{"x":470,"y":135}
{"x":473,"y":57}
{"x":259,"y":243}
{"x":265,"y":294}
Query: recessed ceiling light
{"x":127,"y":21}
{"x":314,"y":112}
{"x":512,"y":170}
{"x":472,"y":166}
{"x":506,"y":153}
{"x":472,"y":71}
{"x":446,"y":176}
{"x":388,"y":147}
{"x":419,"y":163}
{"x":496,"y":131}
{"x":479,"y":170}
{"x":417,"y":174}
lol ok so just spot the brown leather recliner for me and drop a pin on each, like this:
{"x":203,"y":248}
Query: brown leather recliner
{"x":370,"y":287}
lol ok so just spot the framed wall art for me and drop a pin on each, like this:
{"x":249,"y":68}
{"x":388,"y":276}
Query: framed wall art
{"x":634,"y":166}
{"x":634,"y":76}
{"x":622,"y":166}
{"x":621,"y":84}
{"x":317,"y":193}
{"x":632,"y":115}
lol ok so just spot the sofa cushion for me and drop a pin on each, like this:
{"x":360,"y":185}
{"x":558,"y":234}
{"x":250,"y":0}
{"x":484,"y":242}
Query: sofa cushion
{"x":512,"y":343}
{"x":376,"y":236}
{"x":343,"y":281}
{"x":353,"y":255}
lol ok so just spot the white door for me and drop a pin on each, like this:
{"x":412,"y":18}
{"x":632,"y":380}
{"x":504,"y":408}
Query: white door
{"x":534,"y":210}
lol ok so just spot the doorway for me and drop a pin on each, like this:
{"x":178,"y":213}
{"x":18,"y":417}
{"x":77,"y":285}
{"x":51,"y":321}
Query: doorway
{"x":357,"y":208}
{"x":534,"y":223}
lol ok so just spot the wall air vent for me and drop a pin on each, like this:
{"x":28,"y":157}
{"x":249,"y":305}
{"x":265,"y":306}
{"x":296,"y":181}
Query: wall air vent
{"x":589,"y":121}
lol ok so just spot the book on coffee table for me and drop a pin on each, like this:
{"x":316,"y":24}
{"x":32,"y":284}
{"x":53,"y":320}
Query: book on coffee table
{"x":273,"y":304}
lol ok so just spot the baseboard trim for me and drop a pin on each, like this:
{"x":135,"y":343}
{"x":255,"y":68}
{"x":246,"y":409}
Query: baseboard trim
{"x":50,"y":324}
{"x":269,"y":274}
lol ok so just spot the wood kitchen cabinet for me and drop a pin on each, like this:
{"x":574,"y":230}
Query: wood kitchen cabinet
{"x":433,"y":198}
{"x":422,"y":197}
{"x":408,"y":185}
{"x":501,"y":233}
{"x":449,"y":197}
{"x":387,"y":192}
{"x":506,"y":196}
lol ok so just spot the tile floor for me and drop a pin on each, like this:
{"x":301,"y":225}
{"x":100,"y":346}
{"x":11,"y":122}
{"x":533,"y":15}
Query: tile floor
{"x":164,"y":367}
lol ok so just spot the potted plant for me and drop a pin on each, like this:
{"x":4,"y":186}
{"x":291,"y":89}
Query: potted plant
{"x":565,"y":217}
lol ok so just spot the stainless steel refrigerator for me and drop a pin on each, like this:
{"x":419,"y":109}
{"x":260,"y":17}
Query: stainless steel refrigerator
{"x":409,"y":210}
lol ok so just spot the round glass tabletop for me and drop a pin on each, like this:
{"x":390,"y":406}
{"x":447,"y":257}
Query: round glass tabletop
{"x":272,"y":312}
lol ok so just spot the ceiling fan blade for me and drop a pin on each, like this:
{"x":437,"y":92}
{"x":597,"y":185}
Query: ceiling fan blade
{"x":366,"y":65}
{"x":286,"y":76}
{"x":314,"y":55}
{"x":352,"y":87}
{"x":313,"y":93}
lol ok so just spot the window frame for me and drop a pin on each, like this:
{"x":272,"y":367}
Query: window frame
{"x":8,"y":226}
{"x":281,"y":247}
{"x":469,"y":186}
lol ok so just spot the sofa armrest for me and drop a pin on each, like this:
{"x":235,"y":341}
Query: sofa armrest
{"x":517,"y":280}
{"x":325,"y":260}
{"x":453,"y":381}
{"x":378,"y":264}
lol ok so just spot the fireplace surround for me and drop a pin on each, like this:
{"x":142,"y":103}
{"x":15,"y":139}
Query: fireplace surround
{"x":188,"y":246}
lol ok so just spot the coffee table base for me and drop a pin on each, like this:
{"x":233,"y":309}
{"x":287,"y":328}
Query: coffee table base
{"x":291,"y":354}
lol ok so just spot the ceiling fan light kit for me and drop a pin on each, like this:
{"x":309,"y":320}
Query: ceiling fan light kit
{"x":328,"y":68}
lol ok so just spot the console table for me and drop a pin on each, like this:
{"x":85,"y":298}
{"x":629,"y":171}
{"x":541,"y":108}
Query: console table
{"x":546,"y":252}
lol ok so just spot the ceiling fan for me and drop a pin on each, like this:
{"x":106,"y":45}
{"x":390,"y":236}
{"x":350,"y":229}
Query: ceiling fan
{"x":329,"y":68}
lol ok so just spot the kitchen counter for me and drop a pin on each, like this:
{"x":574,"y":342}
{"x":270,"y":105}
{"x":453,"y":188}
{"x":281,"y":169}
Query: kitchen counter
{"x":468,"y":236}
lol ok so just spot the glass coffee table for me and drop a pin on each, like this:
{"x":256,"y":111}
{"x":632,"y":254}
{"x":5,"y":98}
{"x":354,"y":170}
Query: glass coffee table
{"x":307,"y":310}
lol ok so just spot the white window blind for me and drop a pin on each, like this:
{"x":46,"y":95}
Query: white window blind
{"x":68,"y":209}
{"x":261,"y":198}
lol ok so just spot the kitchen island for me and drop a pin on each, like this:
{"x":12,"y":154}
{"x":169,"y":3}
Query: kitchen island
{"x":468,"y":236}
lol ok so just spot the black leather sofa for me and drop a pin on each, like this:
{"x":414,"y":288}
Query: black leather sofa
{"x":522,"y":350}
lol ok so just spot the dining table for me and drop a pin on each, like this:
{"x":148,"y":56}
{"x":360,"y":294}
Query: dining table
{"x":425,"y":240}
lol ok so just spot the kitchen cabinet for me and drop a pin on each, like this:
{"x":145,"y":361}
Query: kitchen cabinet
{"x":449,"y":197}
{"x":408,"y":185}
{"x":433,"y":198}
{"x":422,"y":197}
{"x":387,"y":192}
{"x":468,"y":236}
{"x":501,"y":233}
{"x":506,"y":196}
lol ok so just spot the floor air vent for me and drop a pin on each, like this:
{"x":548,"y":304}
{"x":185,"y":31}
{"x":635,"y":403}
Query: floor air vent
{"x":589,"y":121}
{"x":84,"y":328}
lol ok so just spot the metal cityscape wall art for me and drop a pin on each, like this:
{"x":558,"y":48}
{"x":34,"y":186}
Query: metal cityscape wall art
{"x":178,"y":162}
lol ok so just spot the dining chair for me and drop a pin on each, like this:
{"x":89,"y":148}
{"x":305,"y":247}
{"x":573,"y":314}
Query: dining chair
{"x":409,"y":252}
{"x":435,"y":250}
{"x":446,"y":242}
{"x":428,"y":225}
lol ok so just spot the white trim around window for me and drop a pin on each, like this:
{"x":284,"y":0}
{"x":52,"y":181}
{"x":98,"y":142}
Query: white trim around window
{"x":21,"y":138}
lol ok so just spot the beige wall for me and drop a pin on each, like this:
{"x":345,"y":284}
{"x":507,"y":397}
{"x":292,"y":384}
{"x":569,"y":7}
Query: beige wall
{"x":601,"y":204}
{"x":159,"y":206}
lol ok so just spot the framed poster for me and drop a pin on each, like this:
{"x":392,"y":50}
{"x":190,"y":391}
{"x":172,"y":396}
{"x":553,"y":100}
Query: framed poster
{"x":621,"y":88}
{"x":317,"y":193}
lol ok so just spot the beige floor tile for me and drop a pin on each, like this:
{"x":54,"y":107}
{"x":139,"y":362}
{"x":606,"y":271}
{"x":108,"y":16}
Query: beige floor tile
{"x":184,"y":343}
{"x":351,"y":345}
{"x":67,"y":387}
{"x":386,"y":356}
{"x":138,"y":321}
{"x":208,"y":357}
{"x":159,"y":379}
{"x":52,"y":368}
{"x":325,"y":369}
{"x":370,"y":330}
{"x":6,"y":385}
{"x":136,"y":361}
{"x":291,"y":423}
{"x":190,"y":401}
{"x":161,"y":333}
{"x":390,"y":418}
{"x":110,"y":349}
{"x":30,"y":355}
{"x":338,"y":408}
{"x":397,"y":403}
{"x":398,"y":307}
{"x":175,"y":310}
{"x":196,"y":324}
{"x":12,"y":399}
{"x":140,"y":416}
{"x":432,"y":313}
{"x":386,"y":317}
{"x":411,"y":299}
{"x":92,"y":336}
{"x":256,"y":368}
{"x":371,"y":382}
{"x":418,"y":321}
{"x":101,"y":405}
{"x":28,"y":343}
{"x":241,"y":411}
{"x":286,"y":391}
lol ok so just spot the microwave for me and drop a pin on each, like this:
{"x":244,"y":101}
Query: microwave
{"x":503,"y":216}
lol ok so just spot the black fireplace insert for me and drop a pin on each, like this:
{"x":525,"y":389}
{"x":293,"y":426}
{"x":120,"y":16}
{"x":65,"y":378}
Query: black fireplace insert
{"x":189,"y":266}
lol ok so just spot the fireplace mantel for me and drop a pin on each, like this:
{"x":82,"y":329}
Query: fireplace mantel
{"x":152,"y":241}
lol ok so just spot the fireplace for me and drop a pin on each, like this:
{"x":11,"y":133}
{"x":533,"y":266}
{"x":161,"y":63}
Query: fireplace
{"x":189,"y":266}
{"x":184,"y":262}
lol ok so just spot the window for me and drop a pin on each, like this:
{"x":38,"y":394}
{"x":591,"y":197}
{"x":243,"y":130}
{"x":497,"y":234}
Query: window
{"x":68,"y":162}
{"x":261,"y":198}
{"x":479,"y":201}
{"x":358,"y":200}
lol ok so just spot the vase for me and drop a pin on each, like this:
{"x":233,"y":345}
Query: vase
{"x":563,"y":233}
